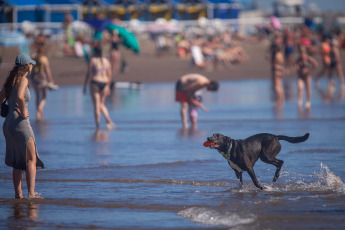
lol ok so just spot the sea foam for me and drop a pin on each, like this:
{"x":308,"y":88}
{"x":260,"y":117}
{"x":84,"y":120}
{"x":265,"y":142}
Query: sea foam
{"x":212,"y":217}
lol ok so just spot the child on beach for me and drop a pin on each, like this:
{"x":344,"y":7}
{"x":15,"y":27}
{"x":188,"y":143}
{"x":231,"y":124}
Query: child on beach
{"x":195,"y":103}
{"x":304,"y":65}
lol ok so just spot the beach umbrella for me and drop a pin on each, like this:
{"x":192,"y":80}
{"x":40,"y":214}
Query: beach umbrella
{"x":129,"y":39}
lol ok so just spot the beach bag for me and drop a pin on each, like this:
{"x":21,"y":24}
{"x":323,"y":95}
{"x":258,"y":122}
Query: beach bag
{"x":4,"y":109}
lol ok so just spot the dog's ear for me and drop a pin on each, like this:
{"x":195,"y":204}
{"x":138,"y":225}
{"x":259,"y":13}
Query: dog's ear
{"x":227,"y":140}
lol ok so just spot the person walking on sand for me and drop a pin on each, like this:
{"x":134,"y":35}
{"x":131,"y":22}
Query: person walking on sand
{"x":100,"y":71}
{"x":42,"y":80}
{"x":185,"y":90}
{"x":21,"y":151}
{"x":304,"y":65}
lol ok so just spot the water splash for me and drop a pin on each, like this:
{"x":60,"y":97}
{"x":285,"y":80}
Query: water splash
{"x":212,"y":217}
{"x":325,"y":180}
{"x":333,"y":181}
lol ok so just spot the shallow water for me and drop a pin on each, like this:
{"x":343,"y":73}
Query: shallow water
{"x":150,"y":174}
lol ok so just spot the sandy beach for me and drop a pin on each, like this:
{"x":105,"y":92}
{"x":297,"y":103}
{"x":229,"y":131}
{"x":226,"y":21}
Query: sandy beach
{"x":148,"y":67}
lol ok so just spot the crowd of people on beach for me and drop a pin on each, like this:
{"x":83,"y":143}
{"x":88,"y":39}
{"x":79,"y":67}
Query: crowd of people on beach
{"x":298,"y":51}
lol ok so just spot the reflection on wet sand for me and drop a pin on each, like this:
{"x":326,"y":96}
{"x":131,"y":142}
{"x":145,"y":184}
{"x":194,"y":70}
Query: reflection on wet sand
{"x":25,"y":215}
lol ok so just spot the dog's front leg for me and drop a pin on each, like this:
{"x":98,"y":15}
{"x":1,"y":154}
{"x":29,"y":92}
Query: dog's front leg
{"x":255,"y":180}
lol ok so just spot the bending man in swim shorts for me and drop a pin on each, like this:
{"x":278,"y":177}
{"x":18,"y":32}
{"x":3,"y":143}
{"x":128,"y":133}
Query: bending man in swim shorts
{"x":185,"y":90}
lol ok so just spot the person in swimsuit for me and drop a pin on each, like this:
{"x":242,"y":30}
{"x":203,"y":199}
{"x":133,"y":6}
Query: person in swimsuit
{"x":115,"y":52}
{"x":335,"y":64}
{"x":100,"y":71}
{"x":304,"y":66}
{"x":42,"y":80}
{"x":185,"y":90}
{"x":277,"y":63}
{"x":289,"y":43}
{"x":326,"y":60}
{"x":21,"y":151}
{"x":195,"y":103}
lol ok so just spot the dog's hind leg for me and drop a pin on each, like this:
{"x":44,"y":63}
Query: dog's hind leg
{"x":255,"y":180}
{"x":276,"y":162}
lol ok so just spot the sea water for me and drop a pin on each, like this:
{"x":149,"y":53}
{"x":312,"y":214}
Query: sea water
{"x":151,"y":174}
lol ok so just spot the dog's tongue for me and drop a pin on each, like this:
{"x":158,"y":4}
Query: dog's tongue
{"x":208,"y":143}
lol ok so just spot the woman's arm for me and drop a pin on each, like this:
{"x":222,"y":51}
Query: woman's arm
{"x":2,"y":95}
{"x":47,"y":70}
{"x":23,"y":112}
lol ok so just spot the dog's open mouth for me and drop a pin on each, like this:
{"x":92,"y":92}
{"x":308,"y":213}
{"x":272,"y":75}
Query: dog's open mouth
{"x":210,"y":144}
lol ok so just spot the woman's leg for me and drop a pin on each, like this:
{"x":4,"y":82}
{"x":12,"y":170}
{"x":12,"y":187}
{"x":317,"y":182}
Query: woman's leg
{"x":278,"y":88}
{"x":104,"y":109}
{"x":31,"y":160}
{"x":17,"y":175}
{"x":41,"y":98}
{"x":308,"y":89}
{"x":96,"y":99}
{"x":300,"y":86}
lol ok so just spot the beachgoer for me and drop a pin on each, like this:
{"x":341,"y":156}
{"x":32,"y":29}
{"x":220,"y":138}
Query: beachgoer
{"x":21,"y":151}
{"x":69,"y":41}
{"x":100,"y":71}
{"x":115,"y":52}
{"x":289,"y":43}
{"x":195,"y":103}
{"x":185,"y":90}
{"x":304,"y":65}
{"x":277,"y":62}
{"x":326,"y":60}
{"x":335,"y":64}
{"x":42,"y":80}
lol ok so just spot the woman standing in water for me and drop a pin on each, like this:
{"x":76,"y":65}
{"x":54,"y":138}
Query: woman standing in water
{"x":277,"y":62}
{"x":304,"y":64}
{"x":21,"y":152}
{"x":100,"y":71}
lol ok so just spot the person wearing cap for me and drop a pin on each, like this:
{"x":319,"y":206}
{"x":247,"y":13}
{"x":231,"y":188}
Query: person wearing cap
{"x":185,"y":90}
{"x":21,"y":151}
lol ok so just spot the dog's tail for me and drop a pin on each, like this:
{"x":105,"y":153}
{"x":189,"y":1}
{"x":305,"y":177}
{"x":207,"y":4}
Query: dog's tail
{"x":293,"y":139}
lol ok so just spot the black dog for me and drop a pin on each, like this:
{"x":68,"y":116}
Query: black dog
{"x":242,"y":154}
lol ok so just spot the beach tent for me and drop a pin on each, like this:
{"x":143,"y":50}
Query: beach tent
{"x":224,"y":9}
{"x":191,"y":9}
{"x":127,"y":9}
{"x":287,"y":7}
{"x":159,"y":9}
{"x":19,"y":10}
{"x":91,"y":8}
{"x":56,"y":9}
